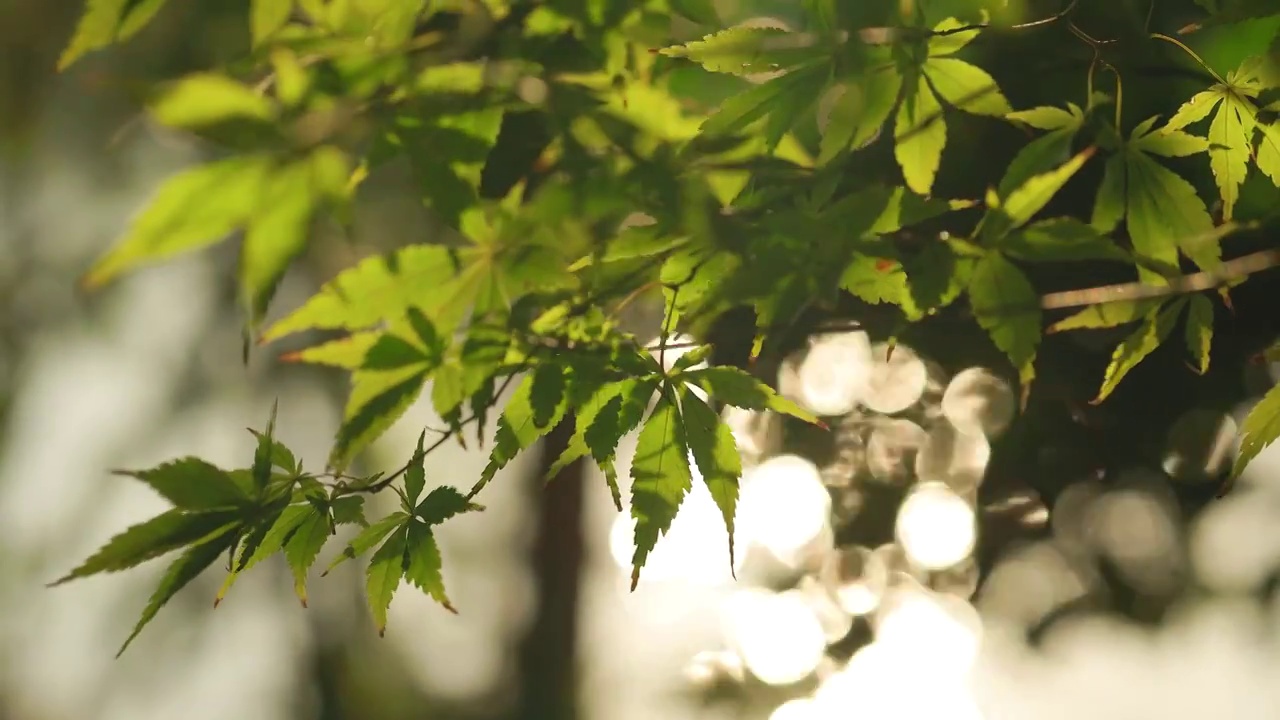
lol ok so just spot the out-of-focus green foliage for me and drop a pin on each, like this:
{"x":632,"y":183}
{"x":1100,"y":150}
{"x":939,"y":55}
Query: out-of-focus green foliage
{"x":913,"y":156}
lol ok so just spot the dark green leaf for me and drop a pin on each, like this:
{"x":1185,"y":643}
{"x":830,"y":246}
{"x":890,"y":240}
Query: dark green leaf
{"x":443,"y":503}
{"x":158,"y":536}
{"x":540,"y":396}
{"x":1058,"y":240}
{"x":183,"y":570}
{"x":192,"y":484}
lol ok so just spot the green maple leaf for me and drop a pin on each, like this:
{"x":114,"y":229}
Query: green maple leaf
{"x":1199,"y":331}
{"x":391,"y":376}
{"x":192,"y":484}
{"x":749,"y":50}
{"x":1162,"y":211}
{"x":715,"y":452}
{"x":1008,"y":308}
{"x":660,"y":478}
{"x":158,"y":536}
{"x":386,"y":568}
{"x":732,"y":386}
{"x":368,"y":538}
{"x":533,"y":410}
{"x":920,"y":130}
{"x":1155,"y":327}
{"x":612,"y":411}
{"x":1230,"y":139}
{"x":186,"y":568}
{"x":1259,"y":429}
{"x":304,"y":545}
{"x":346,"y":352}
{"x":1106,"y":315}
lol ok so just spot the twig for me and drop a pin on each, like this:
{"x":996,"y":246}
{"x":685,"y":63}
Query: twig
{"x":1205,"y":280}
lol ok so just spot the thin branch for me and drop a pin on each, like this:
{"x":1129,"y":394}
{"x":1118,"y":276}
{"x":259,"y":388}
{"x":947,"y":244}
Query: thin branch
{"x":1229,"y":271}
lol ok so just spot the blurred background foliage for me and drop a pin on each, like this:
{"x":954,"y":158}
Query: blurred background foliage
{"x":150,"y":369}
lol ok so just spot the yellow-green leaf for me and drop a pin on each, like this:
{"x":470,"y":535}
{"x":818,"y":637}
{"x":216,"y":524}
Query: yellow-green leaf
{"x":1008,"y":308}
{"x":386,"y":567}
{"x":1031,"y":197}
{"x":266,"y":17}
{"x":920,"y":134}
{"x":1260,"y":428}
{"x":1106,"y":315}
{"x":191,"y":210}
{"x":1155,"y":327}
{"x":1199,"y":331}
{"x":105,"y":22}
{"x":204,"y":99}
{"x":966,"y":87}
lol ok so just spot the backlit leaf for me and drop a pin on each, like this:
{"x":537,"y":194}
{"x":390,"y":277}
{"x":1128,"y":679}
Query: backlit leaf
{"x":533,"y":410}
{"x":266,"y":17}
{"x":1106,"y":315}
{"x":1155,"y":327}
{"x":1008,"y":308}
{"x":732,"y":386}
{"x":660,"y":478}
{"x":386,"y":567}
{"x":1260,"y":428}
{"x":158,"y":536}
{"x":368,"y":538}
{"x":304,"y":546}
{"x":715,"y":451}
{"x":966,"y":87}
{"x":183,"y":570}
{"x":422,"y":567}
{"x":191,"y":210}
{"x":1199,"y":331}
{"x":203,"y":99}
{"x":1031,"y":197}
{"x":192,"y":484}
{"x":920,"y":134}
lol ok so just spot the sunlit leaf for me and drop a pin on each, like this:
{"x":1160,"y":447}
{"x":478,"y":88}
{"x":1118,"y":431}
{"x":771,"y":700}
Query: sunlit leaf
{"x":715,"y":451}
{"x":203,"y":99}
{"x":183,"y":570}
{"x":1199,"y":331}
{"x":1260,"y":428}
{"x":386,"y":567}
{"x":660,"y":478}
{"x":1008,"y":308}
{"x":422,"y":567}
{"x":304,"y":546}
{"x":1106,"y":315}
{"x":921,"y":134}
{"x":1155,"y":327}
{"x":191,"y":210}
{"x":732,"y":386}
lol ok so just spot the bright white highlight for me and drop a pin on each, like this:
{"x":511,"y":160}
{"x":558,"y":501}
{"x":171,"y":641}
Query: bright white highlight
{"x":779,"y":638}
{"x":936,"y":527}
{"x":979,"y":403}
{"x":785,"y":508}
{"x":898,"y":379}
{"x":834,"y":374}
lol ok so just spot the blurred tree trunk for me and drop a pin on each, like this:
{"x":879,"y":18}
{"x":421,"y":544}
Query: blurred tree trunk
{"x":548,"y":654}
